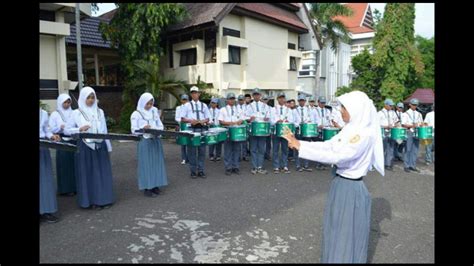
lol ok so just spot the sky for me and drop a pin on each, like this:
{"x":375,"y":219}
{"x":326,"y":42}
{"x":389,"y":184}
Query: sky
{"x":424,"y":16}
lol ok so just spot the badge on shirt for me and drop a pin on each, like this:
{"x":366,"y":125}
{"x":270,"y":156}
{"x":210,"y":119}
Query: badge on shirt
{"x":355,"y":139}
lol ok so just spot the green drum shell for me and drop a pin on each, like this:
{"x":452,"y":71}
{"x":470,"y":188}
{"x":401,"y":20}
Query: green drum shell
{"x":260,"y":129}
{"x":238,"y":133}
{"x":209,"y":138}
{"x":424,"y":132}
{"x":309,"y":130}
{"x":182,"y":140}
{"x":183,"y":126}
{"x":398,"y":133}
{"x":328,"y":133}
{"x":195,"y":141}
{"x":222,"y":136}
{"x":279,"y":128}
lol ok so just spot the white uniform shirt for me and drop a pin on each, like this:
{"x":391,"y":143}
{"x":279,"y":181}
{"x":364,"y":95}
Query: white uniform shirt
{"x":387,"y":118}
{"x":398,"y":116}
{"x":243,"y":109}
{"x":57,"y":119}
{"x":214,"y":116}
{"x":225,"y":114}
{"x":410,"y":117}
{"x":97,"y":125}
{"x":258,"y":109}
{"x":430,"y":119}
{"x":138,"y":121}
{"x":337,"y":117}
{"x":307,"y":116}
{"x":177,"y":115}
{"x":325,"y":116}
{"x":187,"y":110}
{"x":44,"y":130}
{"x":281,"y":112}
{"x":349,"y":153}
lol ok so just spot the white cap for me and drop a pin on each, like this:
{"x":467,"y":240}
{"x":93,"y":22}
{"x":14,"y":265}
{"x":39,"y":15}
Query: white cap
{"x":194,"y":88}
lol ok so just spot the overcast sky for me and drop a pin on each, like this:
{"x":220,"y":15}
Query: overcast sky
{"x":424,"y":21}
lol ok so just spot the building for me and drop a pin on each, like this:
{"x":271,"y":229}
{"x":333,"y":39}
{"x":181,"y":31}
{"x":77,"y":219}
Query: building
{"x":55,"y":19}
{"x":236,"y":47}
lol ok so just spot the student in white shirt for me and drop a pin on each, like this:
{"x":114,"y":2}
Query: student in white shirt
{"x":196,"y":113}
{"x":430,"y":121}
{"x":257,"y":111}
{"x":151,"y":160}
{"x":230,"y":115}
{"x":242,"y":106}
{"x":411,"y":119}
{"x":281,"y":113}
{"x":94,"y":170}
{"x":177,"y":118}
{"x":65,"y":169}
{"x":355,"y":149}
{"x":47,"y":193}
{"x":398,"y":149}
{"x":304,"y":115}
{"x":268,"y":144}
{"x":215,"y":150}
{"x":387,"y":120}
{"x":325,"y":119}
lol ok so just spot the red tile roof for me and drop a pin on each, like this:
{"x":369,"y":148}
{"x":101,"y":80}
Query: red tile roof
{"x":354,"y":22}
{"x":109,"y":15}
{"x":425,"y":96}
{"x":274,"y":12}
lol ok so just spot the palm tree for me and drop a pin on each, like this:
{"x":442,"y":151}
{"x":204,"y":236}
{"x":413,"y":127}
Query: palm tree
{"x":332,"y":30}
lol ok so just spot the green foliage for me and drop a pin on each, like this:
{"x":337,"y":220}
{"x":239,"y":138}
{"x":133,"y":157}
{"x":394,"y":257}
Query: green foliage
{"x":332,"y":30}
{"x":136,"y":31}
{"x":342,"y":90}
{"x":44,"y":106}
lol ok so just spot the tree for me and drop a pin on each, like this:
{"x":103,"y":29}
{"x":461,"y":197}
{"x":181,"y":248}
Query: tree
{"x":136,"y":31}
{"x":332,"y":30}
{"x":396,"y":58}
{"x":426,"y":48}
{"x":368,"y":77}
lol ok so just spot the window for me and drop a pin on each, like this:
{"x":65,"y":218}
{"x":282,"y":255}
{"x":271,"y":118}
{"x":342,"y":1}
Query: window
{"x":210,"y":46}
{"x":291,"y":46}
{"x":234,"y":55}
{"x":292,"y":63}
{"x":305,"y":67}
{"x":171,"y":41}
{"x":47,"y":15}
{"x":231,"y":32}
{"x":187,"y":57}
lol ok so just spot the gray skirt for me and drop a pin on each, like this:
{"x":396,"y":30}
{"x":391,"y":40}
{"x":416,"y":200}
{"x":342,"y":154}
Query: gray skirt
{"x":47,"y":187}
{"x":346,"y":222}
{"x":151,"y":164}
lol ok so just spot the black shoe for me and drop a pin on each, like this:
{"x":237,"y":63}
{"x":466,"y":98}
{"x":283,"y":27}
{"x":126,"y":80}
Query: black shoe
{"x":217,"y":158}
{"x":156,"y":190}
{"x":148,"y":193}
{"x":236,"y":171}
{"x":107,"y":206}
{"x":193,"y":175}
{"x":202,"y":175}
{"x":414,"y":169}
{"x":49,"y":218}
{"x":245,"y":159}
{"x":228,"y":172}
{"x":407,"y":169}
{"x":390,"y":168}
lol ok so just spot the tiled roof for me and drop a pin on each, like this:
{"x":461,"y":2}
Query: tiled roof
{"x":90,"y":33}
{"x":425,"y":96}
{"x":354,"y":22}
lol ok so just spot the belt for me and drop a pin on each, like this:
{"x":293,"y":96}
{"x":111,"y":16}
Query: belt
{"x":351,"y":179}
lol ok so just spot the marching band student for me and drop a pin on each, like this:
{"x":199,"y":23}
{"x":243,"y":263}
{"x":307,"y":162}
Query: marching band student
{"x":47,"y":193}
{"x":355,"y":149}
{"x":325,"y":118}
{"x":398,"y":149}
{"x":93,"y":168}
{"x":268,"y":143}
{"x":304,"y":116}
{"x":151,"y":161}
{"x":177,"y":118}
{"x":280,"y":113}
{"x":387,"y":121}
{"x":196,"y":113}
{"x":65,"y":169}
{"x":215,"y":150}
{"x":430,"y":121}
{"x":243,"y":107}
{"x":230,"y":115}
{"x":411,"y":119}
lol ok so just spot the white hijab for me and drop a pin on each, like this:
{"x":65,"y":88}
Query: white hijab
{"x":91,"y":111}
{"x":59,"y":105}
{"x":364,"y":119}
{"x":144,"y":99}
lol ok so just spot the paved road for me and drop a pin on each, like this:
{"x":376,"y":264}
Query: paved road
{"x":245,"y":218}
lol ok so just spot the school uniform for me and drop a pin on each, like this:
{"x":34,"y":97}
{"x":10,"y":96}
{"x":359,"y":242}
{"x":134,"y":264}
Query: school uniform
{"x":65,"y":170}
{"x":93,"y":168}
{"x":151,"y":172}
{"x":257,"y":144}
{"x":47,"y":187}
{"x":304,"y":115}
{"x":244,"y":144}
{"x":215,"y":150}
{"x":177,"y":118}
{"x":399,"y":149}
{"x":413,"y":144}
{"x":232,"y":149}
{"x":281,"y":112}
{"x":429,"y":119}
{"x":387,"y":119}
